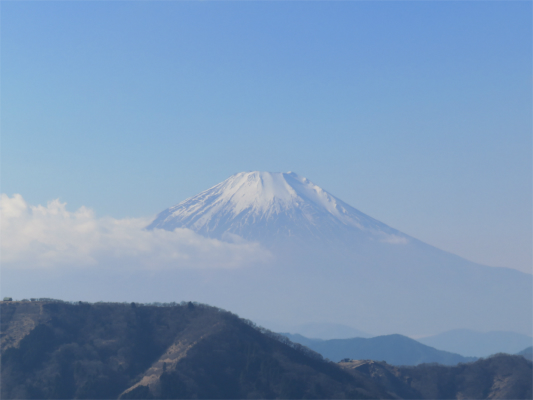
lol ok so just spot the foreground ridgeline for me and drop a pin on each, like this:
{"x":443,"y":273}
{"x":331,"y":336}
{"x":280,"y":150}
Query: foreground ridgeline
{"x":60,"y":350}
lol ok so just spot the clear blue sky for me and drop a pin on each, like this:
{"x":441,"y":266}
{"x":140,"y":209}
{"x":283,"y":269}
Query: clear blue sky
{"x":416,"y":113}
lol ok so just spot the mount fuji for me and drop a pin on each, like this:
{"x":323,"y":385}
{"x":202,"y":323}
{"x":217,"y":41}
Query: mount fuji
{"x":273,"y":207}
{"x":334,"y":264}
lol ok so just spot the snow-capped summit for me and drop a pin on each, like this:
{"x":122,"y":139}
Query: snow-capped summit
{"x":330,"y":262}
{"x":268,"y":207}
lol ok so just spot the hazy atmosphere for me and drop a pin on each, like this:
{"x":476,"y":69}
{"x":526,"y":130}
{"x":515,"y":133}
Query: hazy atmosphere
{"x":417,"y":115}
{"x":266,"y":199}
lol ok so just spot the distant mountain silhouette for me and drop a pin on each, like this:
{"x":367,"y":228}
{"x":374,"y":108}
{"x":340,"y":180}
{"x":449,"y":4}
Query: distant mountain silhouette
{"x":297,"y":338}
{"x":393,"y":349}
{"x":328,"y":331}
{"x":526,"y":353}
{"x":478,"y":344}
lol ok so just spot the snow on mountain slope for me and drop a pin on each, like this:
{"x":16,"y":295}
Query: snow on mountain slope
{"x":269,"y":206}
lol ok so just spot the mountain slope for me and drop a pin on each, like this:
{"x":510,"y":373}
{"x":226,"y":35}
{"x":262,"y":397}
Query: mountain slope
{"x":499,"y":377}
{"x":393,"y":349}
{"x":270,"y":207}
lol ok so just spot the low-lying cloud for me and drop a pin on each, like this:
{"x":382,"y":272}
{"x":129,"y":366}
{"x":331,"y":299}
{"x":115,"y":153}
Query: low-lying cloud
{"x":52,"y":237}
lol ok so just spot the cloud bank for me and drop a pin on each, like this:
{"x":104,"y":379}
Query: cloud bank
{"x":52,"y":237}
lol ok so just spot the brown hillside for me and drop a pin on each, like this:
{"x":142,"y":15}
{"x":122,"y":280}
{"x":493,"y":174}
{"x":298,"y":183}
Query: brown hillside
{"x":138,"y":351}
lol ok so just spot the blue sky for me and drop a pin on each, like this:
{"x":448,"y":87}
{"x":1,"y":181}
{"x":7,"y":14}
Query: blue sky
{"x":416,"y":113}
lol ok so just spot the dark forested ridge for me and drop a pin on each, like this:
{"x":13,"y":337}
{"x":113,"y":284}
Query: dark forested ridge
{"x":140,"y":351}
{"x":501,"y":376}
{"x":59,"y":350}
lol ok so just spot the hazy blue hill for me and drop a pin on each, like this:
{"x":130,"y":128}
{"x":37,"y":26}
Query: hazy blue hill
{"x":394,"y":349}
{"x":328,"y":331}
{"x":297,"y":338}
{"x":527,"y":353}
{"x":478,"y":344}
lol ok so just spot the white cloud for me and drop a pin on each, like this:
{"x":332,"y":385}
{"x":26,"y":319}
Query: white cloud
{"x":51,"y":236}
